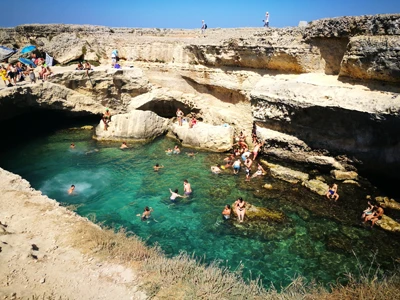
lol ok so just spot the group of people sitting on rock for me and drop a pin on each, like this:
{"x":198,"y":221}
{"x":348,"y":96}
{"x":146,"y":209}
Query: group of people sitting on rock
{"x":240,"y":209}
{"x":14,"y":73}
{"x":192,"y":121}
{"x":372,"y":213}
{"x":84,"y":66}
{"x":241,"y":153}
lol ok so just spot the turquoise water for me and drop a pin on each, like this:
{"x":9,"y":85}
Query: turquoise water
{"x":115,"y":185}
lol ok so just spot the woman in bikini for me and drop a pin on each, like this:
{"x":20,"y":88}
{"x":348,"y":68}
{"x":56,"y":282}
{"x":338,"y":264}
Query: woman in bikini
{"x":240,"y":206}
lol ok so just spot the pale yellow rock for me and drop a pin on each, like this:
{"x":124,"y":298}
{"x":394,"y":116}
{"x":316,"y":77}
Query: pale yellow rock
{"x":389,"y":203}
{"x":286,"y":174}
{"x":268,"y":186}
{"x":388,"y":224}
{"x":342,"y":175}
{"x":316,"y":186}
{"x":351,"y":182}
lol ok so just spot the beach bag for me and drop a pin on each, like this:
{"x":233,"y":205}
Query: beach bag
{"x":117,"y":66}
{"x":205,"y":26}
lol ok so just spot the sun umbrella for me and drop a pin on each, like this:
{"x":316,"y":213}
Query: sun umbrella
{"x":28,"y":49}
{"x":26,"y":61}
{"x":6,"y":52}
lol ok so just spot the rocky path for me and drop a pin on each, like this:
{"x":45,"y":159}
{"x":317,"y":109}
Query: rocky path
{"x":36,"y":256}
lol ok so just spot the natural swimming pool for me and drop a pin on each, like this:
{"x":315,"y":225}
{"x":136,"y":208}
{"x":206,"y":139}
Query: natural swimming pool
{"x":115,"y":185}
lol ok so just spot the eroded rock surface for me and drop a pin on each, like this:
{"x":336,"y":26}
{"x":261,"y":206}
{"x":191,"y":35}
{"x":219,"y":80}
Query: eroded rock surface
{"x":136,"y":125}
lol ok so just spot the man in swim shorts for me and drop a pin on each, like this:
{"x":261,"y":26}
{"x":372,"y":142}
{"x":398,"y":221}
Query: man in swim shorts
{"x":187,"y":188}
{"x":236,"y":166}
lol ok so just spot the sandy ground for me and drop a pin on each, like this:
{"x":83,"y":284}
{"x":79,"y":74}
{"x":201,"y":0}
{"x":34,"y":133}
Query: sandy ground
{"x":35,"y":253}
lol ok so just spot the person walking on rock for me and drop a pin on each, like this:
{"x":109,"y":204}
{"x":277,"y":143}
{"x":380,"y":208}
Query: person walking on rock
{"x":203,"y":27}
{"x":266,"y":21}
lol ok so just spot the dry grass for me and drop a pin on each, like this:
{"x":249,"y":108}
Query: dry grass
{"x":182,"y":277}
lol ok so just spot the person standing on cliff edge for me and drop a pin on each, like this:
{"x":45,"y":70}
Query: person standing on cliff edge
{"x":266,"y":21}
{"x":203,"y":27}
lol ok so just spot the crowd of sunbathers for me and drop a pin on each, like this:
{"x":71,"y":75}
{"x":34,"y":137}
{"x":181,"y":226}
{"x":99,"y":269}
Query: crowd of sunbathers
{"x":19,"y":72}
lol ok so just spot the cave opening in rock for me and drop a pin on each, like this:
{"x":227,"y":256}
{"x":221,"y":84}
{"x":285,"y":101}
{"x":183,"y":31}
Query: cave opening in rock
{"x":167,"y":108}
{"x":34,"y":123}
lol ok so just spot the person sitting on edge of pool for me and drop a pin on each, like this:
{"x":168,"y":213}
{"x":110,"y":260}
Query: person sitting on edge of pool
{"x":157,"y":167}
{"x":71,"y":190}
{"x":175,"y":195}
{"x":332,"y":192}
{"x":226,"y":213}
{"x":123,"y":146}
{"x":146,"y":213}
{"x":72,"y":146}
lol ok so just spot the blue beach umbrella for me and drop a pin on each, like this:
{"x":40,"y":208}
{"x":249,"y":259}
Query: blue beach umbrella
{"x":26,"y":61}
{"x":28,"y":49}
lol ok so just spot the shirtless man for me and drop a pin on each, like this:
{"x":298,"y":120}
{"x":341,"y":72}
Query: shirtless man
{"x":256,"y":149}
{"x":71,"y":190}
{"x":146,"y":213}
{"x":72,"y":146}
{"x":157,"y":167}
{"x":176,"y":150}
{"x":123,"y":145}
{"x":187,"y":188}
{"x":332,"y":192}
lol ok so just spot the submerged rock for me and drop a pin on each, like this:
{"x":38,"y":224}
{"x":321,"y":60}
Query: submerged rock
{"x":137,"y":125}
{"x":255,"y":213}
{"x":343,"y":175}
{"x":205,"y":136}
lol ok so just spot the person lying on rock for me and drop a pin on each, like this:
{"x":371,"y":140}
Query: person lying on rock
{"x":216,"y":169}
{"x":79,"y":67}
{"x":332,"y":192}
{"x":377,"y":215}
{"x":260,"y":171}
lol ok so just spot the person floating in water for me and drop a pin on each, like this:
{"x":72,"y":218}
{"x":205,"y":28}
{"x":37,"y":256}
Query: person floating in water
{"x":240,"y":206}
{"x":157,"y":167}
{"x":123,"y":146}
{"x":146,"y":213}
{"x":168,"y":151}
{"x":175,"y":195}
{"x":72,"y":146}
{"x":332,"y":192}
{"x":187,"y":188}
{"x":71,"y":190}
{"x":191,"y":154}
{"x":226,"y":213}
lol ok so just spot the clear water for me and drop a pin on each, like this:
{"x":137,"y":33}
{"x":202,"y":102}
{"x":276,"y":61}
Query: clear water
{"x":115,"y":185}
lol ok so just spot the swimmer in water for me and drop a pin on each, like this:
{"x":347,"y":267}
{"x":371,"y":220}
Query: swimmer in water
{"x":157,"y":167}
{"x":72,"y":146}
{"x":123,"y":145}
{"x":146,"y":213}
{"x":187,"y":188}
{"x":168,"y":151}
{"x":71,"y":190}
{"x":226,"y":213}
{"x":175,"y":195}
{"x":191,"y":154}
{"x":176,"y":150}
